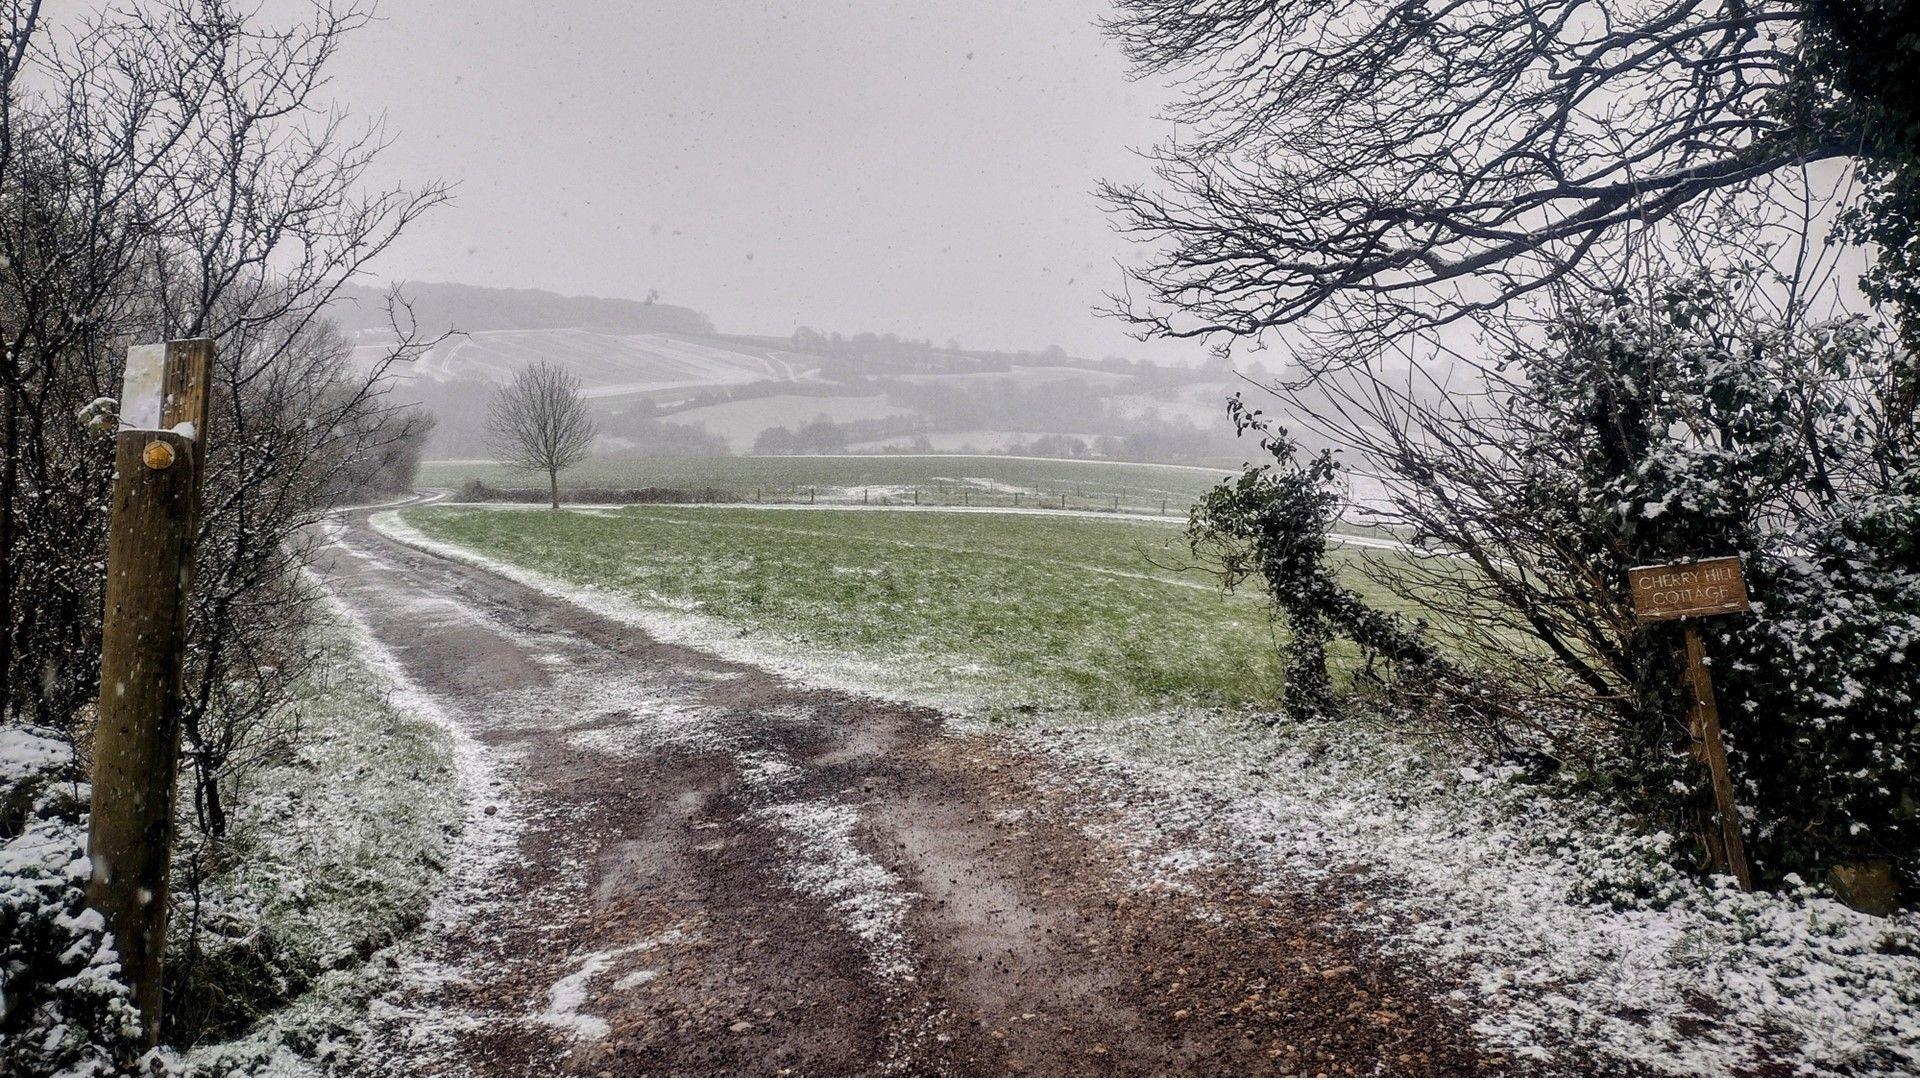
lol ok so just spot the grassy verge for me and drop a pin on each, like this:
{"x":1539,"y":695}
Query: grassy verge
{"x":1009,"y":610}
{"x":334,"y":854}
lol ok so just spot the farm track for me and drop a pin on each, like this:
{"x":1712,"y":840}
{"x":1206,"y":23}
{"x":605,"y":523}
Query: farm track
{"x":702,"y":868}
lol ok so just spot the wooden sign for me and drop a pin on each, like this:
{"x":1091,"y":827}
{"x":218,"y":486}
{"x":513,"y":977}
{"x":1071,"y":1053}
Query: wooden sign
{"x":1689,"y":589}
{"x":158,"y":391}
{"x":143,"y":389}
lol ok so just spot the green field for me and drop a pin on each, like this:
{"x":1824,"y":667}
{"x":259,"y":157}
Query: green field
{"x":889,"y":479}
{"x":1048,"y":611}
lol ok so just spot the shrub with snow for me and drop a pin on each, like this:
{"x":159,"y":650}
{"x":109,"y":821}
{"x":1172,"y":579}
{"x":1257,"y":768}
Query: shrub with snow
{"x":1703,"y":428}
{"x":1823,"y":689}
{"x":1643,"y":430}
{"x":63,"y":1007}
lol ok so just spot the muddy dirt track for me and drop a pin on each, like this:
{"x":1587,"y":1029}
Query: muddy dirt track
{"x":678,"y":864}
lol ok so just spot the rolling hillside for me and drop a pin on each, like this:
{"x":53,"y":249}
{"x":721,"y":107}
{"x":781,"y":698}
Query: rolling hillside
{"x":608,"y":365}
{"x":664,"y":382}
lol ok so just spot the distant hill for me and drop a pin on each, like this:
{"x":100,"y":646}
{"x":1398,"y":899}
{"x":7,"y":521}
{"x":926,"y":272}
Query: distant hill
{"x":441,"y":306}
{"x":661,"y":380}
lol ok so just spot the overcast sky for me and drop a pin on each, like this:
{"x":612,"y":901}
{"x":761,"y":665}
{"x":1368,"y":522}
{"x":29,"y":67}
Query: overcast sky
{"x":923,"y":168}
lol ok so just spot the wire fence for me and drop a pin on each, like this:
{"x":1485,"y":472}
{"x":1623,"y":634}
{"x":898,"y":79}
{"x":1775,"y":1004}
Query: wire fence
{"x":897,"y":495}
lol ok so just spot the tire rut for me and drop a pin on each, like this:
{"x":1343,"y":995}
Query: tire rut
{"x":716,"y":870}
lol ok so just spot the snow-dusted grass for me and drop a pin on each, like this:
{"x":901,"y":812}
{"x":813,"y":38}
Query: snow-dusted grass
{"x":340,"y":826}
{"x":995,"y":610}
{"x":1571,"y":933}
{"x":337,"y":852}
{"x":1568,"y":924}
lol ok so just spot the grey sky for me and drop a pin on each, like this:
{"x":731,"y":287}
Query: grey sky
{"x":922,"y":167}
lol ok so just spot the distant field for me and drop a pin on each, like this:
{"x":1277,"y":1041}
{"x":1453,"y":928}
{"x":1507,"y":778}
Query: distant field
{"x":969,"y":441}
{"x":1051,"y":611}
{"x":608,"y":365}
{"x":1021,"y":376}
{"x":983,"y":480}
{"x":740,"y":422}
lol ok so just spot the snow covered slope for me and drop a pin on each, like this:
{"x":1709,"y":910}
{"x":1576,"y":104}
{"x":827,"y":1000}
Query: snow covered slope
{"x":608,"y":364}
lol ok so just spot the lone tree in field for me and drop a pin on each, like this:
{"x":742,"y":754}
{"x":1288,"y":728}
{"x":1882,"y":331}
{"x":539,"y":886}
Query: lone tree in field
{"x":540,"y":421}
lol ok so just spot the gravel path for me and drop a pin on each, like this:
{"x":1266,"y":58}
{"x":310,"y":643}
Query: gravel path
{"x":677,"y":864}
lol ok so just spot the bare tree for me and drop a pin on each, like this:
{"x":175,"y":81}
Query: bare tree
{"x":1358,"y":171}
{"x":539,"y":422}
{"x":298,"y":428}
{"x":155,"y":162}
{"x":171,"y":169}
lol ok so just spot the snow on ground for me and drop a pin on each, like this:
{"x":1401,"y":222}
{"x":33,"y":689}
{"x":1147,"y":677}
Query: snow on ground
{"x":992,"y":485}
{"x":570,"y":993}
{"x":693,"y":629}
{"x":1570,"y":927}
{"x":1568,"y":924}
{"x":491,"y":825}
{"x":567,"y":996}
{"x":819,"y":835}
{"x":644,"y":730}
{"x":362,"y":708}
{"x":493,"y":822}
{"x":24,"y":754}
{"x":828,"y":862}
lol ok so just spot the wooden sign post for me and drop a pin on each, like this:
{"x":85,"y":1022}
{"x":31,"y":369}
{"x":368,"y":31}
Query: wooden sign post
{"x":1688,"y":591}
{"x":155,"y":512}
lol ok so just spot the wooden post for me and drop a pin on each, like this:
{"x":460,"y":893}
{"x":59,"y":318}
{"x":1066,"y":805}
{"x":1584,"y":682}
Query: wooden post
{"x":1712,"y":748}
{"x":1690,"y":591}
{"x":155,"y":511}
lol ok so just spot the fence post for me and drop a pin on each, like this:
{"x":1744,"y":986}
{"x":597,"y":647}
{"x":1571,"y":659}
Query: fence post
{"x":154,"y":514}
